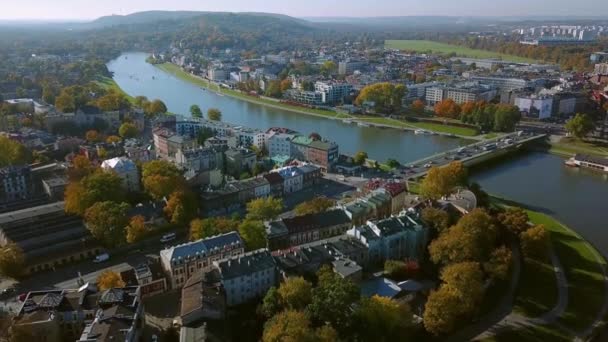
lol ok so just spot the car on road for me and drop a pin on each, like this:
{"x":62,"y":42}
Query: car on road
{"x":167,"y":237}
{"x":101,"y":258}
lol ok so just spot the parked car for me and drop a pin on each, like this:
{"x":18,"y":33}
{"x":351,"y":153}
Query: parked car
{"x":101,"y":258}
{"x":167,"y":237}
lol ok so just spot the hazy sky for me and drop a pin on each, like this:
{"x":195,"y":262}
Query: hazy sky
{"x":88,"y":9}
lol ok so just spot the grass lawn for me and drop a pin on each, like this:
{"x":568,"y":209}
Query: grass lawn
{"x":179,"y":73}
{"x":537,"y":289}
{"x":436,"y":127}
{"x":585,"y":279}
{"x":572,"y":146}
{"x":108,"y":83}
{"x":442,"y":48}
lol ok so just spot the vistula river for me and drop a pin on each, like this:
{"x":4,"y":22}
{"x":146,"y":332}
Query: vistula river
{"x":578,"y":198}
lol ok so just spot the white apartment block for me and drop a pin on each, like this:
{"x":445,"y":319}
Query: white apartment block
{"x":126,"y":170}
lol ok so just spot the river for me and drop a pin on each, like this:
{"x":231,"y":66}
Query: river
{"x":579,"y":198}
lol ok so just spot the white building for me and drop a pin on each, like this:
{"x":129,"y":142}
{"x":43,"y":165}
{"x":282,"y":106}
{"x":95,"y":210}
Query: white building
{"x":293,"y":179}
{"x":539,"y":107}
{"x":217,"y":74}
{"x":280,"y":144}
{"x":601,"y":69}
{"x":126,"y":169}
{"x":332,"y":92}
{"x":246,"y":277}
{"x":182,"y":261}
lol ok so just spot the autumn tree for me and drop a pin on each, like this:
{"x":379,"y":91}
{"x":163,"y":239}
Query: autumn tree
{"x":514,"y":220}
{"x":12,"y":260}
{"x":418,"y":106}
{"x":499,"y":265}
{"x":441,"y":311}
{"x":128,"y":130}
{"x":264,"y":209}
{"x":580,"y":126}
{"x":253,"y":234}
{"x":332,"y":299}
{"x":314,"y":206}
{"x":107,"y":222}
{"x":448,"y":109}
{"x":465,"y":279}
{"x":214,"y":114}
{"x":440,"y":181}
{"x":136,"y":230}
{"x":113,"y":139}
{"x":113,"y":100}
{"x":285,"y":85}
{"x":382,"y":319}
{"x":295,"y":293}
{"x":161,"y":178}
{"x":97,"y":187}
{"x":436,"y":218}
{"x":536,"y":242}
{"x":288,"y":326}
{"x":92,"y":136}
{"x":471,"y":239}
{"x":204,"y":228}
{"x":360,"y":158}
{"x":196,"y":111}
{"x":273,"y":89}
{"x":328,"y":68}
{"x":109,"y":279}
{"x":386,"y":97}
{"x":65,"y":103}
{"x":13,"y":153}
{"x":154,"y":108}
{"x":181,"y":207}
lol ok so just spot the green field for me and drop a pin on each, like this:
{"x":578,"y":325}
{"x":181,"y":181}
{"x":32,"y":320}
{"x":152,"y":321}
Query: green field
{"x":442,"y":48}
{"x":571,"y":146}
{"x":108,"y":83}
{"x":435,"y":127}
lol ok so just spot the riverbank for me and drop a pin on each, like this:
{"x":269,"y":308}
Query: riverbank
{"x":461,"y":132}
{"x":568,"y":147}
{"x":109,"y":84}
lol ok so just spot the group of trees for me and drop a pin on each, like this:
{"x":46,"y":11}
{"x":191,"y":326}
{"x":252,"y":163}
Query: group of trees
{"x":386,"y":97}
{"x":13,"y":153}
{"x":534,"y":239}
{"x":489,"y":116}
{"x":440,"y":182}
{"x":330,"y":311}
{"x":212,"y":113}
{"x":580,"y":125}
{"x":151,"y":108}
{"x":314,"y":206}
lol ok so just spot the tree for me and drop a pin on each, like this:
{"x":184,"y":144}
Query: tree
{"x":136,"y":230}
{"x":514,"y":220}
{"x":360,"y":158}
{"x":181,"y":207}
{"x":327,"y":334}
{"x":154,"y":108}
{"x":97,"y":187}
{"x":204,"y":228}
{"x":92,"y":136}
{"x":271,"y":304}
{"x":253,"y":234}
{"x":506,"y":117}
{"x":113,"y":101}
{"x":107,"y":222}
{"x":535,"y":243}
{"x":332,"y":299}
{"x":113,"y":139}
{"x":12,"y":260}
{"x":383,"y":319}
{"x":448,"y":109}
{"x":196,"y":111}
{"x":471,"y":239}
{"x":288,"y":326}
{"x":13,"y":153}
{"x":328,"y":68}
{"x":440,"y":182}
{"x":65,"y":103}
{"x":395,"y":269}
{"x":274,"y":89}
{"x":204,"y":134}
{"x":263,"y":209}
{"x":109,"y":280}
{"x":386,"y":97}
{"x":128,"y":130}
{"x":392,"y":163}
{"x":285,"y":85}
{"x":314,"y":206}
{"x":160,"y":178}
{"x":295,"y":293}
{"x":436,"y":218}
{"x":418,"y":106}
{"x":214,"y":114}
{"x":499,"y":265}
{"x":141,"y":101}
{"x":466,"y":281}
{"x":441,"y":311}
{"x":580,"y":125}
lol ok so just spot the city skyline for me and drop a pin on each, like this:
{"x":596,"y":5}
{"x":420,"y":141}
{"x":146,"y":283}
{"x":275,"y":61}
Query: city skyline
{"x":87,"y":10}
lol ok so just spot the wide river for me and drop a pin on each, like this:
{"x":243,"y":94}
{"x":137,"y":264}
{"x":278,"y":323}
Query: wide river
{"x":579,"y":198}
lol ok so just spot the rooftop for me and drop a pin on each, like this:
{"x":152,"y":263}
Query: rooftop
{"x":248,"y":263}
{"x":201,"y":248}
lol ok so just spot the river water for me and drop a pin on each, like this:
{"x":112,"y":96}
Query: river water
{"x":578,"y":198}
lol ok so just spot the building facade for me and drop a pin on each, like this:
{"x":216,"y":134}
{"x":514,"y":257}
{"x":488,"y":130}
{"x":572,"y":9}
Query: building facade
{"x":126,"y":170}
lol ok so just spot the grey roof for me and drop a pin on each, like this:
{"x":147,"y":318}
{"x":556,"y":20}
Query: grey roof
{"x":31,"y":212}
{"x":202,"y":247}
{"x":248,"y":263}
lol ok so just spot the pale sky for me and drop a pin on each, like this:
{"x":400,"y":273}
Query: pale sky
{"x":90,"y":9}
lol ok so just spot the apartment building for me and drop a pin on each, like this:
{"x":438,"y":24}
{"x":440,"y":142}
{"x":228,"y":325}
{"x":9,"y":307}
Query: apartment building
{"x":15,"y":183}
{"x":309,"y":97}
{"x":182,"y":261}
{"x":348,"y":67}
{"x":461,"y":93}
{"x":126,"y":170}
{"x":333,"y":92}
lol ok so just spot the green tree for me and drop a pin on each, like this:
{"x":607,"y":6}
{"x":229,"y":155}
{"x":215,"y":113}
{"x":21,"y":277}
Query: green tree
{"x":440,"y":182}
{"x":360,"y":158}
{"x":288,"y":326}
{"x":295,"y":293}
{"x":274,"y":89}
{"x":99,"y":186}
{"x":214,"y":114}
{"x":13,"y":153}
{"x":506,"y":118}
{"x":204,"y":228}
{"x":329,"y":68}
{"x":387,"y":97}
{"x":314,"y":206}
{"x":263,"y":209}
{"x":392,"y":163}
{"x":12,"y":260}
{"x":161,"y":178}
{"x":253,"y":234}
{"x":154,"y":108}
{"x":196,"y":111}
{"x":107,"y":222}
{"x":271,"y":304}
{"x":436,"y":218}
{"x":141,"y":101}
{"x":536,"y":243}
{"x":332,"y":299}
{"x":65,"y":103}
{"x":181,"y":207}
{"x":383,"y":319}
{"x":580,"y":126}
{"x":514,"y":220}
{"x":128,"y":130}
